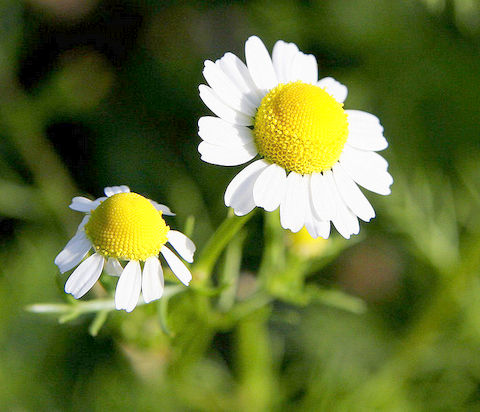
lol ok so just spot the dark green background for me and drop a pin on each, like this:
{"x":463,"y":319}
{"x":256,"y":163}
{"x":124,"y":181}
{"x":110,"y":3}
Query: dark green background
{"x":109,"y":89}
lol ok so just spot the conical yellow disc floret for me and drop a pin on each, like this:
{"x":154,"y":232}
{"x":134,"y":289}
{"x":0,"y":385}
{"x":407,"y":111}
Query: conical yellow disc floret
{"x":301,"y":128}
{"x":126,"y":226}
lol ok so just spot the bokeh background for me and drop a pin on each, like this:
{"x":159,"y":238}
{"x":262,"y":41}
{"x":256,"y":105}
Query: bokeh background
{"x":97,"y":93}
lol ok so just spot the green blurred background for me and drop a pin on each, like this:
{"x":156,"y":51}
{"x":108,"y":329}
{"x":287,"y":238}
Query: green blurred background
{"x":97,"y":93}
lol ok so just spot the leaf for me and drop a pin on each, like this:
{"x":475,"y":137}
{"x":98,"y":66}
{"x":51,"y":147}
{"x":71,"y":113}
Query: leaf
{"x":162,"y":316}
{"x":337,"y":299}
{"x":98,"y":322}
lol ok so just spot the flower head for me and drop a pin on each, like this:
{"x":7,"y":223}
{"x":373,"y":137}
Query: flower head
{"x":312,"y":152}
{"x":123,"y":226}
{"x":302,"y":244}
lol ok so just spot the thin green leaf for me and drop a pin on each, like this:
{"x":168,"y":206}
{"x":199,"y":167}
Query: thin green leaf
{"x":98,"y":322}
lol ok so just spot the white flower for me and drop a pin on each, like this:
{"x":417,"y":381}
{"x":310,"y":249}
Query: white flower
{"x":123,"y":226}
{"x":312,"y":153}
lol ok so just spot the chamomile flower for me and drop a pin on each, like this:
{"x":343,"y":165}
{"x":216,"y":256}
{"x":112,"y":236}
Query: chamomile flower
{"x":124,"y":227}
{"x":311,"y":153}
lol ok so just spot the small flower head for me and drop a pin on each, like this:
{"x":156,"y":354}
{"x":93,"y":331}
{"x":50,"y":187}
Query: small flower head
{"x":304,"y":245}
{"x":312,"y":152}
{"x":127,"y":227}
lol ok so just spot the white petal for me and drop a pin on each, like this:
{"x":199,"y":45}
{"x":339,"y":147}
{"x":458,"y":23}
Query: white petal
{"x":260,"y":64}
{"x":318,"y":228}
{"x":231,"y":156}
{"x":304,"y":68}
{"x":239,"y":193}
{"x":344,"y":220}
{"x":84,"y":277}
{"x":178,"y":267}
{"x":292,"y":207}
{"x":238,"y":73}
{"x":221,"y":133}
{"x":310,"y":215}
{"x":334,"y":88}
{"x":152,"y":280}
{"x":352,"y":195}
{"x":162,"y":208}
{"x":74,"y":251}
{"x":182,"y":244}
{"x":365,"y":131}
{"x":99,"y":200}
{"x":216,"y":105}
{"x":128,"y":287}
{"x":282,"y":57}
{"x":315,"y":227}
{"x":269,"y":188}
{"x":113,"y":190}
{"x":367,"y":158}
{"x":322,"y":198}
{"x":82,"y":204}
{"x":226,"y":90}
{"x":113,"y":267}
{"x":82,"y":224}
{"x":368,"y":169}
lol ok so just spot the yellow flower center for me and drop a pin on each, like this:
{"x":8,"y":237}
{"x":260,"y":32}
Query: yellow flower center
{"x":126,"y":226}
{"x":301,"y":128}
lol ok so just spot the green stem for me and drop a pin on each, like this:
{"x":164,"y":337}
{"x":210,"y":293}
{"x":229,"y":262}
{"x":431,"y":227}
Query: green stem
{"x":231,"y":272}
{"x":273,"y":258}
{"x":254,"y":363}
{"x":91,"y":306}
{"x":246,"y":307}
{"x":215,"y":246}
